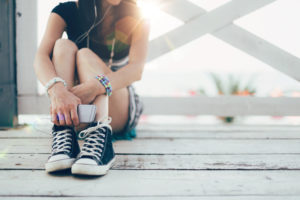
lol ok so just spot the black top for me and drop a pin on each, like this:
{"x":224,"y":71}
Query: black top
{"x":70,"y":13}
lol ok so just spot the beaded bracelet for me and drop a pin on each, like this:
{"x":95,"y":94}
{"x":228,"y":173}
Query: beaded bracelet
{"x":106,"y":83}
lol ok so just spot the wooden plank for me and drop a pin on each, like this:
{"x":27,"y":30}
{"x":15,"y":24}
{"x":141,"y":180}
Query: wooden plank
{"x":198,"y":105}
{"x":204,"y":24}
{"x":169,"y":146}
{"x":170,"y":162}
{"x":285,"y":197}
{"x":199,"y":132}
{"x":128,"y":183}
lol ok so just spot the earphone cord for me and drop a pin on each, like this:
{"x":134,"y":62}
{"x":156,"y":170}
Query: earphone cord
{"x":86,"y":34}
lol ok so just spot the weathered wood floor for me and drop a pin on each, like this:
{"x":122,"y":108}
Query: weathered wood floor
{"x":178,"y":162}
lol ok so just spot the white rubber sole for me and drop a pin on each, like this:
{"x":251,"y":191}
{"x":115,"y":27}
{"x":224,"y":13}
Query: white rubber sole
{"x":94,"y":170}
{"x":59,"y":165}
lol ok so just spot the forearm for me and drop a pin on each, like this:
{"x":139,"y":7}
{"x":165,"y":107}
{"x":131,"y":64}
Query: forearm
{"x":44,"y":68}
{"x":125,"y":76}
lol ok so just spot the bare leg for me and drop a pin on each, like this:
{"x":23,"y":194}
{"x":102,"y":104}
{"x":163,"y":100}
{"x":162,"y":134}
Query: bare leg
{"x":64,"y":54}
{"x":89,"y":65}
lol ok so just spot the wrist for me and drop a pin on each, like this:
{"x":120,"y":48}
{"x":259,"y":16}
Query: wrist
{"x":54,"y":81}
{"x":99,"y":88}
{"x":59,"y":86}
{"x":104,"y":80}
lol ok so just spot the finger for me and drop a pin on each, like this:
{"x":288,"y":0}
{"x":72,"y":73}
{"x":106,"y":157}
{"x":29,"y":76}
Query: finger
{"x":68,"y":118}
{"x":61,"y":118}
{"x":78,"y":102}
{"x":74,"y":116}
{"x":54,"y":117}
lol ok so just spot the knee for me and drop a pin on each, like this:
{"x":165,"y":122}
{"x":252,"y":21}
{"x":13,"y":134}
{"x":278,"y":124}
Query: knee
{"x":63,"y":47}
{"x":83,"y":55}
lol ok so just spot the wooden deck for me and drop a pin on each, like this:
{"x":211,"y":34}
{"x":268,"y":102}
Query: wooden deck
{"x":164,"y":162}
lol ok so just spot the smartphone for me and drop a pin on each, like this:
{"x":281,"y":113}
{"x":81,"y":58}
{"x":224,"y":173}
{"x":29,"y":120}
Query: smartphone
{"x":86,"y":113}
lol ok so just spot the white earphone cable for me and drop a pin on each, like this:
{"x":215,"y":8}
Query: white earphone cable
{"x":86,"y":34}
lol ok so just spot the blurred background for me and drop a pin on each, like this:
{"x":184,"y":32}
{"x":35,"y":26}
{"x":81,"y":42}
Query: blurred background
{"x":207,"y":65}
{"x":210,"y":66}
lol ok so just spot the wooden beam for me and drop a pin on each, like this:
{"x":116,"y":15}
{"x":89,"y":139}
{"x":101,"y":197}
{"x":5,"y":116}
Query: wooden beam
{"x":261,"y":49}
{"x":247,"y":42}
{"x":220,"y":106}
{"x":204,"y":24}
{"x":183,"y":10}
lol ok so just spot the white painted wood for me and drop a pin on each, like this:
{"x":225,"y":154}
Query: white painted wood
{"x":186,"y":14}
{"x":285,"y":197}
{"x":170,"y":146}
{"x":170,"y":162}
{"x":207,"y":23}
{"x":217,"y":128}
{"x":179,"y":131}
{"x":140,"y":183}
{"x":26,"y":44}
{"x":261,"y":49}
{"x":246,"y":41}
{"x":182,"y":9}
{"x":33,"y":104}
{"x":220,"y":106}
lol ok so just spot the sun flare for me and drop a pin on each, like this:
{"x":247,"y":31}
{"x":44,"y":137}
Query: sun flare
{"x":149,"y":9}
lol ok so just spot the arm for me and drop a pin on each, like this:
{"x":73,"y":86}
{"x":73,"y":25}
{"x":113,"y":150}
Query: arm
{"x":62,"y":101}
{"x":43,"y":65}
{"x":137,"y":57}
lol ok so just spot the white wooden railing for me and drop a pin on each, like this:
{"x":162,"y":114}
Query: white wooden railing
{"x":218,"y":22}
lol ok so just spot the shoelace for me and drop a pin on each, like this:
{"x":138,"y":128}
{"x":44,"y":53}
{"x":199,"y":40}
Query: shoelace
{"x":62,"y":141}
{"x":94,"y":139}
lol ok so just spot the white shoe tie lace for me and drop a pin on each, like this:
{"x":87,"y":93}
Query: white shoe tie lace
{"x":62,"y":141}
{"x":94,"y":139}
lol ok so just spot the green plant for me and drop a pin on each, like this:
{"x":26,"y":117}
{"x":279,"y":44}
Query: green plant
{"x":230,"y":86}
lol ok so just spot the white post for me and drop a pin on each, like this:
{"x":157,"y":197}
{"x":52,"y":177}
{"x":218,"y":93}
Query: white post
{"x":26,"y":21}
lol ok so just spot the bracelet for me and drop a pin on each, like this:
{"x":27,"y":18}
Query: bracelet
{"x":52,"y":82}
{"x":106,"y":83}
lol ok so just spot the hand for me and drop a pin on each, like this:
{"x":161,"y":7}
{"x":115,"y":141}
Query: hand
{"x":63,"y":105}
{"x":88,"y":91}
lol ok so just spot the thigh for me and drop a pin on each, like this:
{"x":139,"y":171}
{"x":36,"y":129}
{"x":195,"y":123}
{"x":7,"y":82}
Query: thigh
{"x":89,"y":65}
{"x":63,"y":59}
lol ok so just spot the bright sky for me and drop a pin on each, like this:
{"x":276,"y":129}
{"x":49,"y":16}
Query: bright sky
{"x":276,"y":23}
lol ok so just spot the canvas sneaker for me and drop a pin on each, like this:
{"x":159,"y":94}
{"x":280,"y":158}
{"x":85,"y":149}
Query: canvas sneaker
{"x":97,"y":154}
{"x":65,"y":149}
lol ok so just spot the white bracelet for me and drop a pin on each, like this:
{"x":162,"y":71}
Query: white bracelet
{"x":52,"y":82}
